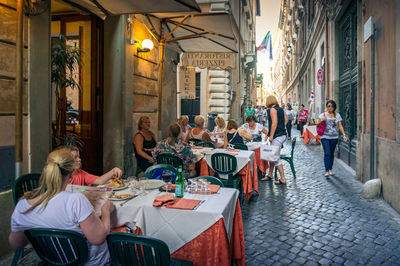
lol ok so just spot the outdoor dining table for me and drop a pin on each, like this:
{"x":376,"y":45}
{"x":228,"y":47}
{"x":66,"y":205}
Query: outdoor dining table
{"x":211,"y":234}
{"x":310,"y":132}
{"x":246,"y":167}
{"x":256,"y":147}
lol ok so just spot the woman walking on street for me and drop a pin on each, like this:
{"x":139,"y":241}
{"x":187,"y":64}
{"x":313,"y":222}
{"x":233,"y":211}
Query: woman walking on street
{"x":277,"y":120}
{"x":302,"y":118}
{"x":290,"y":114}
{"x":330,"y":137}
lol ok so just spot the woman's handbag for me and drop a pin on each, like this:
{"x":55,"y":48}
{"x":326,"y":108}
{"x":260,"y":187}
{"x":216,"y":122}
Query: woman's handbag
{"x":270,"y":152}
{"x":321,"y":128}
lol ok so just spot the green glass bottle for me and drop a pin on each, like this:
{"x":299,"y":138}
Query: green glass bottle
{"x":179,"y":183}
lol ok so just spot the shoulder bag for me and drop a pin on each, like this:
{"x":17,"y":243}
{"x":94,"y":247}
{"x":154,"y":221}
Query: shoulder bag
{"x":321,"y":128}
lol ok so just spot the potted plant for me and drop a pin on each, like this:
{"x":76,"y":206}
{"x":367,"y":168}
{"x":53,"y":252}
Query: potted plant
{"x":65,"y":60}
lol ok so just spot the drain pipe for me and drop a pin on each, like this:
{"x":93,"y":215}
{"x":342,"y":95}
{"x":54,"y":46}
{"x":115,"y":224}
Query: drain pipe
{"x":372,"y":140}
{"x":19,"y":79}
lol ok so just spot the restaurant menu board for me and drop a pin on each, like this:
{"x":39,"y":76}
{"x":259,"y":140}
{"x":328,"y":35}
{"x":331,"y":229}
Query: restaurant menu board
{"x":97,"y":196}
{"x":187,"y":82}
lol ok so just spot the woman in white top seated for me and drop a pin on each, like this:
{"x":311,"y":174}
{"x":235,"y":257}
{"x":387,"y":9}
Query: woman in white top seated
{"x":255,"y":129}
{"x":198,"y":132}
{"x":50,"y":206}
{"x":220,"y":127}
{"x":183,"y":122}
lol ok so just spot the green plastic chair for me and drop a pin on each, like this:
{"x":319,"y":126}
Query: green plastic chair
{"x":195,"y":141}
{"x":241,"y":146}
{"x":212,"y":179}
{"x":192,"y":125}
{"x":21,"y":185}
{"x":150,"y":171}
{"x":289,"y":159}
{"x":206,"y":144}
{"x":225,"y":164}
{"x":131,"y":249}
{"x":168,"y":158}
{"x":24,"y":184}
{"x":59,"y":247}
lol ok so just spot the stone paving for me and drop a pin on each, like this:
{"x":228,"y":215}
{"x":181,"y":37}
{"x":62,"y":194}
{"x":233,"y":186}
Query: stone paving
{"x":318,"y":221}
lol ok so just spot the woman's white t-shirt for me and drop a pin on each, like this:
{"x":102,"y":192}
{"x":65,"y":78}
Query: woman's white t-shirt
{"x":256,"y":132}
{"x":331,"y":129}
{"x":66,"y":210}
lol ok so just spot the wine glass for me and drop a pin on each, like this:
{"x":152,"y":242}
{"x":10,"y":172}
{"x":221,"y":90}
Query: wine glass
{"x":166,"y":177}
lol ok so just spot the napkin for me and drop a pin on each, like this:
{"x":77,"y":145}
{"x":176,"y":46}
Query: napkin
{"x":214,"y":188}
{"x":231,"y":153}
{"x":163,"y":199}
{"x":184,"y":204}
{"x":197,"y":147}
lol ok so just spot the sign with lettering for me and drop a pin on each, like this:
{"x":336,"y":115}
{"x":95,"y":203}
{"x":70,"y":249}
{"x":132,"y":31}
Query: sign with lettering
{"x":210,"y":60}
{"x":187,"y":82}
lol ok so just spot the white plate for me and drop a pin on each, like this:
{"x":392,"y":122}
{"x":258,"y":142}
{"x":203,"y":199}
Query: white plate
{"x":150,"y":184}
{"x":116,"y":199}
{"x":120,"y":188}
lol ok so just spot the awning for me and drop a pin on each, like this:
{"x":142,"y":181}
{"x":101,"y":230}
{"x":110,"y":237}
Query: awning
{"x":104,"y":8}
{"x":205,"y":32}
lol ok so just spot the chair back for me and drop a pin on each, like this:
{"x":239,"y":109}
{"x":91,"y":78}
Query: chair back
{"x":168,"y":158}
{"x":131,"y":249}
{"x":293,"y":145}
{"x":213,"y":180}
{"x":195,"y":141}
{"x":206,"y":144}
{"x":59,"y":247}
{"x":24,"y":184}
{"x":223,"y":163}
{"x":192,"y":125}
{"x":150,"y":171}
{"x":241,"y":146}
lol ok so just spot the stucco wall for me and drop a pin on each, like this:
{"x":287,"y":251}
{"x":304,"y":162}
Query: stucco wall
{"x":384,"y":15}
{"x":7,"y":207}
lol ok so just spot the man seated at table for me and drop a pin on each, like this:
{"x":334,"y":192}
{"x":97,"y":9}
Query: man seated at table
{"x":175,"y":146}
{"x":233,"y":135}
{"x":82,"y":178}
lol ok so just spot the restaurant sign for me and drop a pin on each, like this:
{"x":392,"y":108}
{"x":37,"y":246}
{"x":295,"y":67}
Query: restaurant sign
{"x":210,"y":60}
{"x":187,"y":82}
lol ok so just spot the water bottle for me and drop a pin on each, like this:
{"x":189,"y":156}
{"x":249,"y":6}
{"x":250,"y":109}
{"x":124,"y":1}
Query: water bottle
{"x":179,"y":183}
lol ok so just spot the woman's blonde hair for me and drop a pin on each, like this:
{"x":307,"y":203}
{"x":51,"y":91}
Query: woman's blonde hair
{"x":141,"y":120}
{"x":59,"y":165}
{"x":174,"y":131}
{"x":182,"y":119}
{"x":220,"y":121}
{"x":271,"y":101}
{"x":199,"y":120}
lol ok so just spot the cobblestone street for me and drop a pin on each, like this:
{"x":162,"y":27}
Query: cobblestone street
{"x":317,"y":220}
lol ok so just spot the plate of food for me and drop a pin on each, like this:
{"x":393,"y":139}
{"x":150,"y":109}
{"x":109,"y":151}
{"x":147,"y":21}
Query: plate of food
{"x":118,"y":197}
{"x":117,"y":184}
{"x":149,"y":184}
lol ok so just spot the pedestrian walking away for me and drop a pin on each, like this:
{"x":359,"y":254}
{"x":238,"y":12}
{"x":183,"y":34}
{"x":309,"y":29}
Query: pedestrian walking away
{"x":276,"y":135}
{"x":290,"y":114}
{"x":330,"y":137}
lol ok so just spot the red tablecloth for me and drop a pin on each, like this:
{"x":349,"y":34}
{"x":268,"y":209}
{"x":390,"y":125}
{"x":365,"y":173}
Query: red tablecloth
{"x":249,"y":179}
{"x":212,"y":247}
{"x":307,"y":135}
{"x":261,"y":164}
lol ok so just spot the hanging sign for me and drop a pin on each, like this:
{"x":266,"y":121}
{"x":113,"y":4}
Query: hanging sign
{"x":209,"y":60}
{"x":187,"y":82}
{"x":320,"y":76}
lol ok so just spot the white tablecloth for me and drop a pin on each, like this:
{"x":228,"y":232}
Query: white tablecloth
{"x":198,"y":153}
{"x":242,"y":157}
{"x":254,"y":145}
{"x":178,"y":227}
{"x":312,"y":129}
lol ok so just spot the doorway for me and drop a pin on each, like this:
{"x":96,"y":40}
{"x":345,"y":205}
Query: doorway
{"x":81,"y":110}
{"x":191,"y":107}
{"x":348,"y":83}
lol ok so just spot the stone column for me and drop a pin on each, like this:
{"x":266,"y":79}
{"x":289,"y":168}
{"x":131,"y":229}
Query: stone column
{"x":220,"y":92}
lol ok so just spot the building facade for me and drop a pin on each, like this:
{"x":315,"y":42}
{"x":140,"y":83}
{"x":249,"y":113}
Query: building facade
{"x":328,"y":37}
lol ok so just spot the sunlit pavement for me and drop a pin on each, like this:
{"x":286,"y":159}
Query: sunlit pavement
{"x":316,"y":220}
